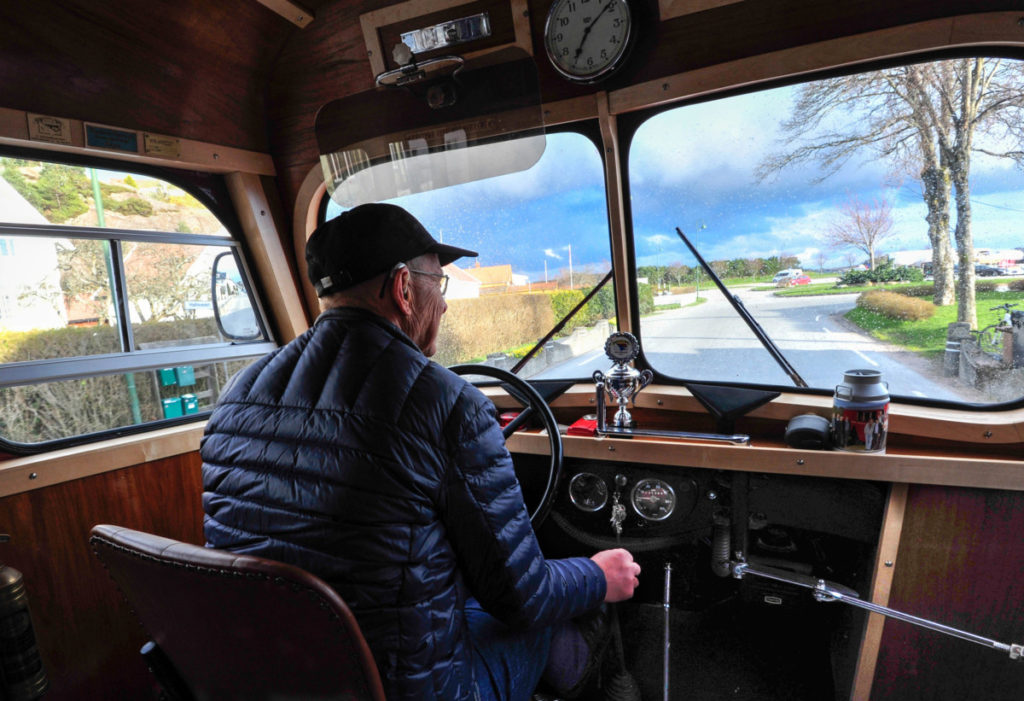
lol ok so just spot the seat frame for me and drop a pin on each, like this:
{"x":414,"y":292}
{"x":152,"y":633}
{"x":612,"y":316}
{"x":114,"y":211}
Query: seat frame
{"x":190,"y":598}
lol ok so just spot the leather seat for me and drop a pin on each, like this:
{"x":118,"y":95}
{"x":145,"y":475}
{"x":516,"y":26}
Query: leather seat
{"x":235,"y":626}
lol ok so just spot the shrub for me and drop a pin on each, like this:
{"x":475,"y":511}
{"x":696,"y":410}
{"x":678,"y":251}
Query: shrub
{"x":918,"y":290}
{"x":1017,"y":285}
{"x":885,"y":272}
{"x":896,"y":306}
{"x":132,"y":205}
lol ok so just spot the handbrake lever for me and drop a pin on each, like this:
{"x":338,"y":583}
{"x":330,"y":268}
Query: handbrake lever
{"x":825,"y":591}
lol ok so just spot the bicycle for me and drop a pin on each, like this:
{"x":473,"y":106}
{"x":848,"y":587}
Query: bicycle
{"x":990,"y":338}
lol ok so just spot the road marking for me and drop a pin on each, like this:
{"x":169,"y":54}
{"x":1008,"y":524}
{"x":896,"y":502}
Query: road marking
{"x":919,"y":394}
{"x":867,"y":359}
{"x":817,"y":317}
{"x":825,"y":330}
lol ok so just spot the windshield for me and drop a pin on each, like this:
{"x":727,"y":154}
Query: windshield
{"x":832,"y":211}
{"x":543,"y":240}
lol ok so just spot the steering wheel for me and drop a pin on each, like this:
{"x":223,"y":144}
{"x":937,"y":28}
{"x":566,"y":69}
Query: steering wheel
{"x":532,"y":403}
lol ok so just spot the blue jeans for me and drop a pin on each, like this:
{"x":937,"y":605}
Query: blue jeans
{"x":508,"y":663}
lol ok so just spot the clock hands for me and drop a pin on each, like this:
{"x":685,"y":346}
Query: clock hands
{"x":586,"y":31}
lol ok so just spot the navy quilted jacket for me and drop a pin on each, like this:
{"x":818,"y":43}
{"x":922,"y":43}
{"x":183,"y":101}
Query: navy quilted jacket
{"x":350,"y":454}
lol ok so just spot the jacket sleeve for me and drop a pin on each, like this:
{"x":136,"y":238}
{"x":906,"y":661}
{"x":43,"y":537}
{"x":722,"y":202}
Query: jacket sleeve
{"x":491,"y":532}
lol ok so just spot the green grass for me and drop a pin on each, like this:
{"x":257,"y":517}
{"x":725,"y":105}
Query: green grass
{"x":699,"y":300}
{"x":828,"y":289}
{"x":928,"y":336}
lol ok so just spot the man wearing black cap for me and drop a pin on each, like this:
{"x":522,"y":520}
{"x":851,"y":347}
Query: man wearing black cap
{"x":351,"y":455}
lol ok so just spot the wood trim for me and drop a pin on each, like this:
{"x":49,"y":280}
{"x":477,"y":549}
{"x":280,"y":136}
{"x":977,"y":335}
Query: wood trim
{"x":980,"y":427}
{"x":16,"y":474}
{"x":885,"y":561}
{"x":669,"y":9}
{"x":575,"y":109}
{"x":983,"y":473}
{"x":986,"y":29}
{"x":272,"y":266}
{"x":371,"y":22}
{"x":197,"y":155}
{"x":293,"y":12}
{"x":616,"y":212}
{"x":307,"y":210}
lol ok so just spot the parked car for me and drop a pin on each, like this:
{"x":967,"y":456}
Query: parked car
{"x":799,"y":280}
{"x":987,"y":271}
{"x":787,"y":274}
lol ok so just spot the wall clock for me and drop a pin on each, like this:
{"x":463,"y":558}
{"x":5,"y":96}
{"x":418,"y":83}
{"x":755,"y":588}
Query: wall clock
{"x":587,"y":40}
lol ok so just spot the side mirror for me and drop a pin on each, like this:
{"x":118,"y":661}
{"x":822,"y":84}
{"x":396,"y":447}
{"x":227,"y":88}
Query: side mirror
{"x":232,"y":306}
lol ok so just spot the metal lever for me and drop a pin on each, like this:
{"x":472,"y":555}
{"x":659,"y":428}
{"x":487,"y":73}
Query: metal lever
{"x":826,"y":591}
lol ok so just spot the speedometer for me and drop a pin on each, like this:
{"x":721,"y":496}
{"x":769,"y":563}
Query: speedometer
{"x":588,"y":492}
{"x":653,"y":499}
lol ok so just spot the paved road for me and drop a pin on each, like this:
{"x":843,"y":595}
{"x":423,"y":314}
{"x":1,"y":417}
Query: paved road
{"x":710,"y":342}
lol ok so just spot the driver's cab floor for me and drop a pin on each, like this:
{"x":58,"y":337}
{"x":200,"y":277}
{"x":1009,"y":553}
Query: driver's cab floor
{"x":734,"y":650}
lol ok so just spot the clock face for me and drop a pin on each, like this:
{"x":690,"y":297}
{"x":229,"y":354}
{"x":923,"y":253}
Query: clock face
{"x":587,"y":39}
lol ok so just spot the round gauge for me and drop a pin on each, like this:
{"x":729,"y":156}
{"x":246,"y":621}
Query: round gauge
{"x":587,"y":39}
{"x":588,"y":492}
{"x":622,"y":347}
{"x":653,"y":499}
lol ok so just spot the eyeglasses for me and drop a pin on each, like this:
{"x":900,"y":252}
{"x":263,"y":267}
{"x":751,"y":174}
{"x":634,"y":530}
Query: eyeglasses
{"x":442,"y":278}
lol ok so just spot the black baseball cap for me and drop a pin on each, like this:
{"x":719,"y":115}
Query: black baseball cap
{"x":366,"y":241}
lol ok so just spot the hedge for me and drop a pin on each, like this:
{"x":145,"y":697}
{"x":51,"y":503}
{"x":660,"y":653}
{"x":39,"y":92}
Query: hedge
{"x":896,"y":306}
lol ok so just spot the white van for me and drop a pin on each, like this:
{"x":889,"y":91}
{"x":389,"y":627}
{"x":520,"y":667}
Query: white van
{"x":787,"y":274}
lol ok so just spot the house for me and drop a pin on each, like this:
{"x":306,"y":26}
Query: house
{"x":461,"y":285}
{"x":30,"y":293}
{"x":494,"y":279}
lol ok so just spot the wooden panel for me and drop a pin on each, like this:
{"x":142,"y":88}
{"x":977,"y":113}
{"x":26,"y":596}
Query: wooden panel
{"x":667,"y":9}
{"x":89,"y":640}
{"x":22,"y":474}
{"x":170,"y":68}
{"x":961,"y":562}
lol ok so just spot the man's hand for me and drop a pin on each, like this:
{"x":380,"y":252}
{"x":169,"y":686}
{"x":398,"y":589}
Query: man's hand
{"x":620,"y":572}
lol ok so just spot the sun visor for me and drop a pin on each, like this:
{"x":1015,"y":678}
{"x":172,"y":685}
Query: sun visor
{"x":431,"y":131}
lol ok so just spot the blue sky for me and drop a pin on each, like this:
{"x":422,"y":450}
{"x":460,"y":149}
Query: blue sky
{"x":692,"y":167}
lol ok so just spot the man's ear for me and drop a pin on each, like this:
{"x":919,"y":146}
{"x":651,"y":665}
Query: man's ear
{"x":400,"y":290}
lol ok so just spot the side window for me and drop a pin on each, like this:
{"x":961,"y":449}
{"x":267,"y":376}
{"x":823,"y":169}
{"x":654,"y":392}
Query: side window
{"x":107,"y":302}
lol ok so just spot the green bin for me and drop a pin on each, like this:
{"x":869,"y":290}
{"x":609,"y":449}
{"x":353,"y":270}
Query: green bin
{"x":167,"y":377}
{"x":186,"y":375}
{"x":190,"y":403}
{"x":172,"y":408}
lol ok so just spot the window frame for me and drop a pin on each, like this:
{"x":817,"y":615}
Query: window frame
{"x":211,"y":193}
{"x":630,"y":122}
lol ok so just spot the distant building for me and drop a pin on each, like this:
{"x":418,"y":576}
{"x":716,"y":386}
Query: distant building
{"x":461,"y":285}
{"x":494,"y":279}
{"x":30,"y":294}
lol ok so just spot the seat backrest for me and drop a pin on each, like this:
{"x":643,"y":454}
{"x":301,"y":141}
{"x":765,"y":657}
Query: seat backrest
{"x":237,"y":626}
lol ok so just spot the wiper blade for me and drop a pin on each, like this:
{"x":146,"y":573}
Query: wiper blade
{"x":558,"y":327}
{"x":767,"y":342}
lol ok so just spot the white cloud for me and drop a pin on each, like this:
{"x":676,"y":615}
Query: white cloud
{"x":550,"y":253}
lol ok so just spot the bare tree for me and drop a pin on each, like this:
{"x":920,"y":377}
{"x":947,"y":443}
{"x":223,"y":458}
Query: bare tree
{"x":820,"y":258}
{"x":861,"y":225}
{"x":922,"y":119}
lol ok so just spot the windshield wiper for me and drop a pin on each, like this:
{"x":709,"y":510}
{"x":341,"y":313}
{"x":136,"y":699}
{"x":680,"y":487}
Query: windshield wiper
{"x":767,"y":342}
{"x":558,"y":327}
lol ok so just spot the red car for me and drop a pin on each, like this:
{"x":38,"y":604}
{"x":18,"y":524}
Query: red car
{"x":800,"y":280}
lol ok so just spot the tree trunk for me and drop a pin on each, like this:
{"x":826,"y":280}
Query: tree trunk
{"x":966,"y":309}
{"x":936,"y":183}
